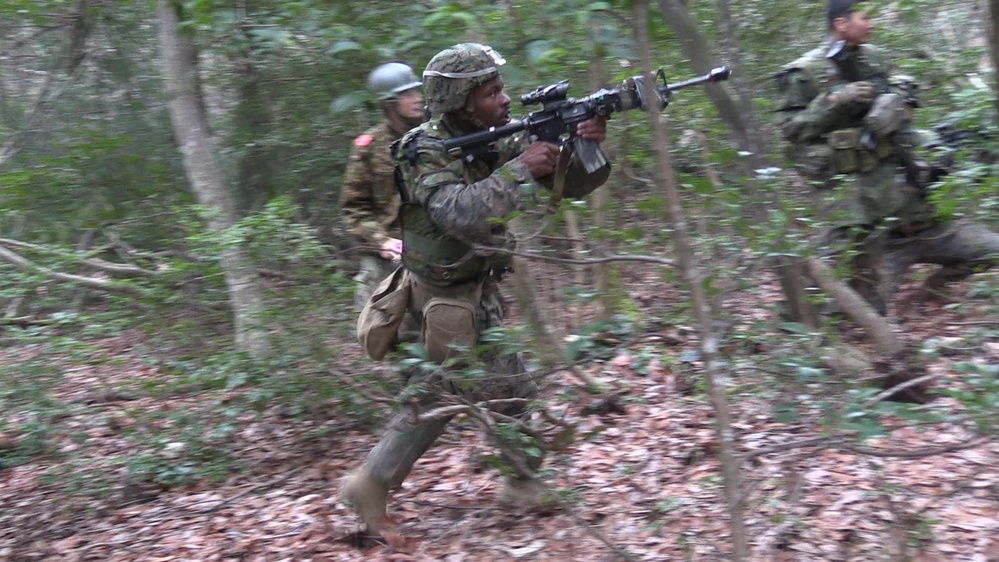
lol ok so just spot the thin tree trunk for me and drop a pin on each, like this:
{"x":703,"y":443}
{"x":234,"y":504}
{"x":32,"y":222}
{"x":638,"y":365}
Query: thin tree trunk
{"x":205,"y":177}
{"x":994,"y":45}
{"x":745,"y":130}
{"x":601,"y":198}
{"x":690,"y":272}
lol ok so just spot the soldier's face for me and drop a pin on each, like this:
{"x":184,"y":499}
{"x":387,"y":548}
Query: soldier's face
{"x":855,"y":29}
{"x":490,"y":104}
{"x":409,"y":104}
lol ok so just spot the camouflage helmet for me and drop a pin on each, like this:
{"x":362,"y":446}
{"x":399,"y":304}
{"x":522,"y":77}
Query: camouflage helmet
{"x":392,"y":78}
{"x":907,"y":87}
{"x":454,"y":72}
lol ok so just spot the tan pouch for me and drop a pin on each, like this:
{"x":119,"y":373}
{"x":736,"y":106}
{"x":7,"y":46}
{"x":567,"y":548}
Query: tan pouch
{"x":844,"y":144}
{"x":378,"y":324}
{"x":449,"y":326}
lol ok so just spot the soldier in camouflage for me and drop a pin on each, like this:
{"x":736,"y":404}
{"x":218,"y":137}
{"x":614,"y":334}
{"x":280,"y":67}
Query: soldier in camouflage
{"x":959,"y":247}
{"x":857,"y":183}
{"x":369,"y":199}
{"x":451,"y":215}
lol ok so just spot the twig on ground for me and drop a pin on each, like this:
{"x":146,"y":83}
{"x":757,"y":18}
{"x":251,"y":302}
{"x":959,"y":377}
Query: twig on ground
{"x":280,"y":480}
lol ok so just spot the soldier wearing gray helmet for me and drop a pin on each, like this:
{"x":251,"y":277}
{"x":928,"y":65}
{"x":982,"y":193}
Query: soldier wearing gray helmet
{"x":451,"y":215}
{"x":369,"y":200}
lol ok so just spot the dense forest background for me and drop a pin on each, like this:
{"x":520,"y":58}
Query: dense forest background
{"x":179,"y":377}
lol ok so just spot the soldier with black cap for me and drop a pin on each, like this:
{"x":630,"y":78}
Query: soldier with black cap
{"x":849,"y":135}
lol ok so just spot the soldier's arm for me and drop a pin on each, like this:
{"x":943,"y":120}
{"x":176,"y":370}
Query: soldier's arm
{"x":357,"y":202}
{"x":467,"y":210}
{"x":810,"y":111}
{"x":578,"y":182}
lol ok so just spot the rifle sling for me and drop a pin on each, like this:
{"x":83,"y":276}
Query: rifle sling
{"x":561,"y":167}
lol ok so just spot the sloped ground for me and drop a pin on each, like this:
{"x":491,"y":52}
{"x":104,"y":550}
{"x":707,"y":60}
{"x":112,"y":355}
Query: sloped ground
{"x":645,"y":481}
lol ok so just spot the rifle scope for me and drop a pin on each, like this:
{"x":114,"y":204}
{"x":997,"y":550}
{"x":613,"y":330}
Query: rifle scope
{"x":545,"y":94}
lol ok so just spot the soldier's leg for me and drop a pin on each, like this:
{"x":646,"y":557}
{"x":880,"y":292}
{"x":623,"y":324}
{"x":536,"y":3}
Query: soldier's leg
{"x":388,"y":464}
{"x":961,"y":249}
{"x":866,"y":276}
{"x":520,"y":450}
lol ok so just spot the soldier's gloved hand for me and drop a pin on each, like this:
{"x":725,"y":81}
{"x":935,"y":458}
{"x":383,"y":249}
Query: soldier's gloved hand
{"x":854,"y":92}
{"x":540,"y":158}
{"x":888,"y":114}
{"x":391,"y":248}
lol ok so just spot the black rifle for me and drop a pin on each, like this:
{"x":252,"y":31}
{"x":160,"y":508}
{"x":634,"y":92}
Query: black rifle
{"x":560,"y":114}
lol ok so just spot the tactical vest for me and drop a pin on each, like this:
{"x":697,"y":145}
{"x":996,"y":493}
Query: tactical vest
{"x":840,"y":151}
{"x":427,"y":251}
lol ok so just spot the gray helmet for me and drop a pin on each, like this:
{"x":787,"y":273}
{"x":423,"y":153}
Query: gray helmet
{"x":456,"y":71}
{"x":392,"y":78}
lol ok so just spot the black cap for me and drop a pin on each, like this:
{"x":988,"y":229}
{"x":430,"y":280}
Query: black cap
{"x":839,"y":9}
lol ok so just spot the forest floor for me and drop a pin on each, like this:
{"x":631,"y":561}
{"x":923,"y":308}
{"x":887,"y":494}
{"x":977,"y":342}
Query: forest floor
{"x":645,"y":482}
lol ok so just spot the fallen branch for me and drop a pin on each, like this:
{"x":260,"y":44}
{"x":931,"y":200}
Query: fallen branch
{"x":119,"y":269}
{"x":856,"y":308}
{"x":883,"y":395}
{"x":93,"y":283}
{"x":918,"y":453}
{"x":280,"y":480}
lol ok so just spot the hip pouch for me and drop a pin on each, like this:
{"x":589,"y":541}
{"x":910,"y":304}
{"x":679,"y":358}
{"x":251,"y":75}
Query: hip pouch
{"x":449,"y":327}
{"x":378,"y":323}
{"x":845,"y":157}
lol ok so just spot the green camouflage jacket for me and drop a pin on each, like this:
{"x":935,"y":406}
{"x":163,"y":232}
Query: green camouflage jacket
{"x":858,"y":186}
{"x":369,"y":199}
{"x":454,"y":202}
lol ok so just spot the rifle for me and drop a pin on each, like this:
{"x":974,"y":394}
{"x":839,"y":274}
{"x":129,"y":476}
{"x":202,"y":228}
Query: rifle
{"x":916,"y":172}
{"x":560,"y":114}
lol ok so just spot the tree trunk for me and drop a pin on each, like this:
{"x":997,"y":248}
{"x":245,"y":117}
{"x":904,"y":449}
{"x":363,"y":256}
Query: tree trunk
{"x":745,"y":132}
{"x":205,"y":177}
{"x":690,"y":272}
{"x":601,"y":199}
{"x":994,"y":45}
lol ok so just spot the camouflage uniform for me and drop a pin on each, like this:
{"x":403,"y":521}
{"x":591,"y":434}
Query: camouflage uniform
{"x":857,"y":188}
{"x":450,"y":204}
{"x":370,"y":202}
{"x":960,"y":247}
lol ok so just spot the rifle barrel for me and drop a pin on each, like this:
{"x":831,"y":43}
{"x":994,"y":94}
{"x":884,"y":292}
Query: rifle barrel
{"x":716,"y":75}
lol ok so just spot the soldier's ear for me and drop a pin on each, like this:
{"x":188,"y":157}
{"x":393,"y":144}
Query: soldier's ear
{"x":839,"y":24}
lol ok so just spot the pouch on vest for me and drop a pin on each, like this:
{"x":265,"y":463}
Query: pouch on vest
{"x":844,"y":144}
{"x":378,"y":324}
{"x":814,"y":161}
{"x":449,"y":326}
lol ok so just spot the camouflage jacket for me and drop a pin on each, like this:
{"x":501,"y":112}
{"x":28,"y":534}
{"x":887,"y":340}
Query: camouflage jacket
{"x":824,"y":139}
{"x":453,"y":203}
{"x":369,"y":199}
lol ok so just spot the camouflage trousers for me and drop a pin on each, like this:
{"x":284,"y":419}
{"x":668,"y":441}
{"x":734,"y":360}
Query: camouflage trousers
{"x":372,"y":271}
{"x":504,"y":376}
{"x":863,"y":250}
{"x":961,"y":248}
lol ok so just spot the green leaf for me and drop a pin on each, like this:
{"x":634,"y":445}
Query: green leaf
{"x":344,"y":46}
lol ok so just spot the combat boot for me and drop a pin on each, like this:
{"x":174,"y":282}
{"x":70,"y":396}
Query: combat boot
{"x":527,"y":493}
{"x":936,"y":281}
{"x":367,"y":496}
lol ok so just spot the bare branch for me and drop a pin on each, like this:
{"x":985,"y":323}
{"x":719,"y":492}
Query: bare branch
{"x":119,"y":269}
{"x":15,"y":259}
